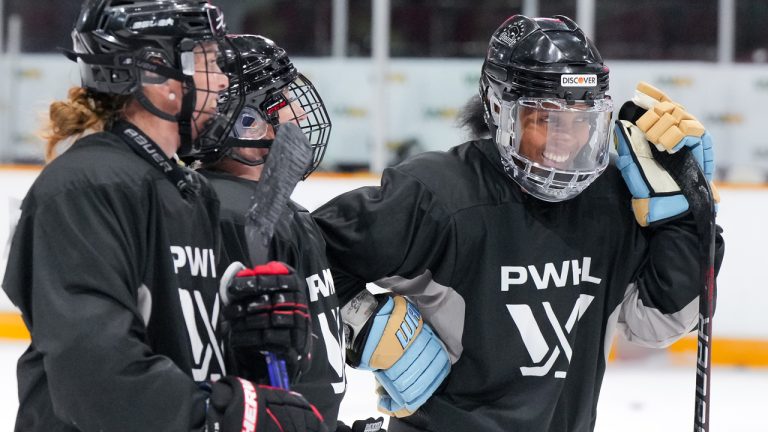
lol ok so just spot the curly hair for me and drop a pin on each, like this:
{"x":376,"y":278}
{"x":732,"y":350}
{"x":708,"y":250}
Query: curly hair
{"x":82,"y":111}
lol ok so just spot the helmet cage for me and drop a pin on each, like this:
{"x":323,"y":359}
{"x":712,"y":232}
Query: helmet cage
{"x":212,"y":133}
{"x":532,"y":60}
{"x":309,"y":113}
{"x":575,"y":172}
{"x":261,"y":116}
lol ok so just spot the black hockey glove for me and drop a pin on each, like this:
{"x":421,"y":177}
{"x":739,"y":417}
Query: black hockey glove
{"x":237,"y":405}
{"x":265,"y":310}
{"x":368,"y":425}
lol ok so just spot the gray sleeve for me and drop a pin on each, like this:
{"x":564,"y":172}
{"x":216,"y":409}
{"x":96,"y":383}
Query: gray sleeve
{"x":441,"y":306}
{"x":648,"y":326}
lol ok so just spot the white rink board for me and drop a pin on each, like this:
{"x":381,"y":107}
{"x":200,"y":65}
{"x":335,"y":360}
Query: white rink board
{"x":424,"y":95}
{"x":742,"y":293}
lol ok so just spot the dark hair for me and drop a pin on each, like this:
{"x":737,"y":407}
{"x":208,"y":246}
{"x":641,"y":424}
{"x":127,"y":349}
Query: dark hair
{"x":472,"y":118}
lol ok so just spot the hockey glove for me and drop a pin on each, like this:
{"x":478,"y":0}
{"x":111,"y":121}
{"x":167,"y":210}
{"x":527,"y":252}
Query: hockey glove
{"x":368,"y":425}
{"x":237,"y":405}
{"x":652,"y":123}
{"x":388,"y":336}
{"x":265,"y":311}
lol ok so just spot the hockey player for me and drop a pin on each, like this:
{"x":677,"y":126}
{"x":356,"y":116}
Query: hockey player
{"x":113,"y":260}
{"x":275,"y":92}
{"x":522,"y":249}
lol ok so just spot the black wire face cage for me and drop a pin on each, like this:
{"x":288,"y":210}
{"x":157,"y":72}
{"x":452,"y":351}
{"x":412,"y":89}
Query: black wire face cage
{"x":257,"y":121}
{"x":308,"y":112}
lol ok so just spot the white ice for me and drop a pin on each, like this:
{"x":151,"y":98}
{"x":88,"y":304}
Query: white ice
{"x":637,"y":396}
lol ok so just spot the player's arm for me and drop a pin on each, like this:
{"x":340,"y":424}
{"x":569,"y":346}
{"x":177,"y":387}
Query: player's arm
{"x":80,"y":302}
{"x":85,"y":319}
{"x":398,"y":228}
{"x":387,"y":335}
{"x":662,"y":303}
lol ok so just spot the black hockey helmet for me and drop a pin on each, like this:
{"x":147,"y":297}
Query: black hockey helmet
{"x":529,"y":56}
{"x":122,"y":45}
{"x":270,"y":84}
{"x":550,"y":67}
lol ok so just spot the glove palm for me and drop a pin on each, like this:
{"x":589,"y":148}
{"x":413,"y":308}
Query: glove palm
{"x":652,"y":123}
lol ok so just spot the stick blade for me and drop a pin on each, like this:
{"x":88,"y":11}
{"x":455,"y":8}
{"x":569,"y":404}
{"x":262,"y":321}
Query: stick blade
{"x":285,"y":166}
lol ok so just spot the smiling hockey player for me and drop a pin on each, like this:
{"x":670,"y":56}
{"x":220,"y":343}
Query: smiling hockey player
{"x":522,"y":250}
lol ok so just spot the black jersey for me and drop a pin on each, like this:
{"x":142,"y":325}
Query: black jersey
{"x":298,"y":242}
{"x":527,"y":295}
{"x":115,"y":276}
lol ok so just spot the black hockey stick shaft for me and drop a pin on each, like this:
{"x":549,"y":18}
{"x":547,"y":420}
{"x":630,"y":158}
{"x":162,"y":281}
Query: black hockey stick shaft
{"x":694,"y":185}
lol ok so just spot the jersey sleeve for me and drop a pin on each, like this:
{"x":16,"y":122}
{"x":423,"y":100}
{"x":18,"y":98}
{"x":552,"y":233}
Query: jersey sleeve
{"x":661,"y":305}
{"x":397,"y":229}
{"x":74,"y":271}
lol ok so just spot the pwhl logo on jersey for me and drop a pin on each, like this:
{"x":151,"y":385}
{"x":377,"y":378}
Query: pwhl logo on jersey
{"x":201,"y":317}
{"x":202,"y":326}
{"x":319,"y":287}
{"x":544,"y":354}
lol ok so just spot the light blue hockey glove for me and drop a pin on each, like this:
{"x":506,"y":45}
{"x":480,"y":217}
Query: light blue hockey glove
{"x":386,"y":334}
{"x":652,"y":119}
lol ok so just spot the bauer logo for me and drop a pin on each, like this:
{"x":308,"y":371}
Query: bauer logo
{"x":139,"y":25}
{"x":578,"y":80}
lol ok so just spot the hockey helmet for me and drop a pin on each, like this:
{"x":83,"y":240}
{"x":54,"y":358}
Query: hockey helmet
{"x":543,"y":87}
{"x":274,"y":92}
{"x":121,"y":46}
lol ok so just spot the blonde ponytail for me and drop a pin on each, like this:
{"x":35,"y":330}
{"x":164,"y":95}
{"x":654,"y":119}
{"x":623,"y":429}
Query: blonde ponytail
{"x":83,"y":111}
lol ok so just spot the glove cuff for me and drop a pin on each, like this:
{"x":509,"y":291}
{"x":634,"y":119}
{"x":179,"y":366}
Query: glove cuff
{"x":357,"y":316}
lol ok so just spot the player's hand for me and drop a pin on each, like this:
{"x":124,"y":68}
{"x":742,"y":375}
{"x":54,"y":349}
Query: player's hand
{"x":265,"y":310}
{"x":652,"y":123}
{"x":389,"y":337}
{"x":237,"y":405}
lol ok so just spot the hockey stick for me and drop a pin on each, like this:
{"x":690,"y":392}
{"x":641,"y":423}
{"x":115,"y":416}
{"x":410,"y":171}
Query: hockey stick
{"x":284,"y":167}
{"x":687,"y":173}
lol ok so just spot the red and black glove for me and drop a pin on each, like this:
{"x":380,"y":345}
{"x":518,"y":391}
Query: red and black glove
{"x":265,"y":310}
{"x":237,"y":405}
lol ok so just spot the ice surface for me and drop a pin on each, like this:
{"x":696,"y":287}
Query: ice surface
{"x":636,"y":396}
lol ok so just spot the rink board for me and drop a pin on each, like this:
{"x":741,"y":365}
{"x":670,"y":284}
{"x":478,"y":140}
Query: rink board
{"x":740,"y":325}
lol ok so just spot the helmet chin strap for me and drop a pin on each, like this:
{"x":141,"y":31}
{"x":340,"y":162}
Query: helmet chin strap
{"x":245,"y":161}
{"x":183,"y":118}
{"x":188,"y":98}
{"x":233,"y":143}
